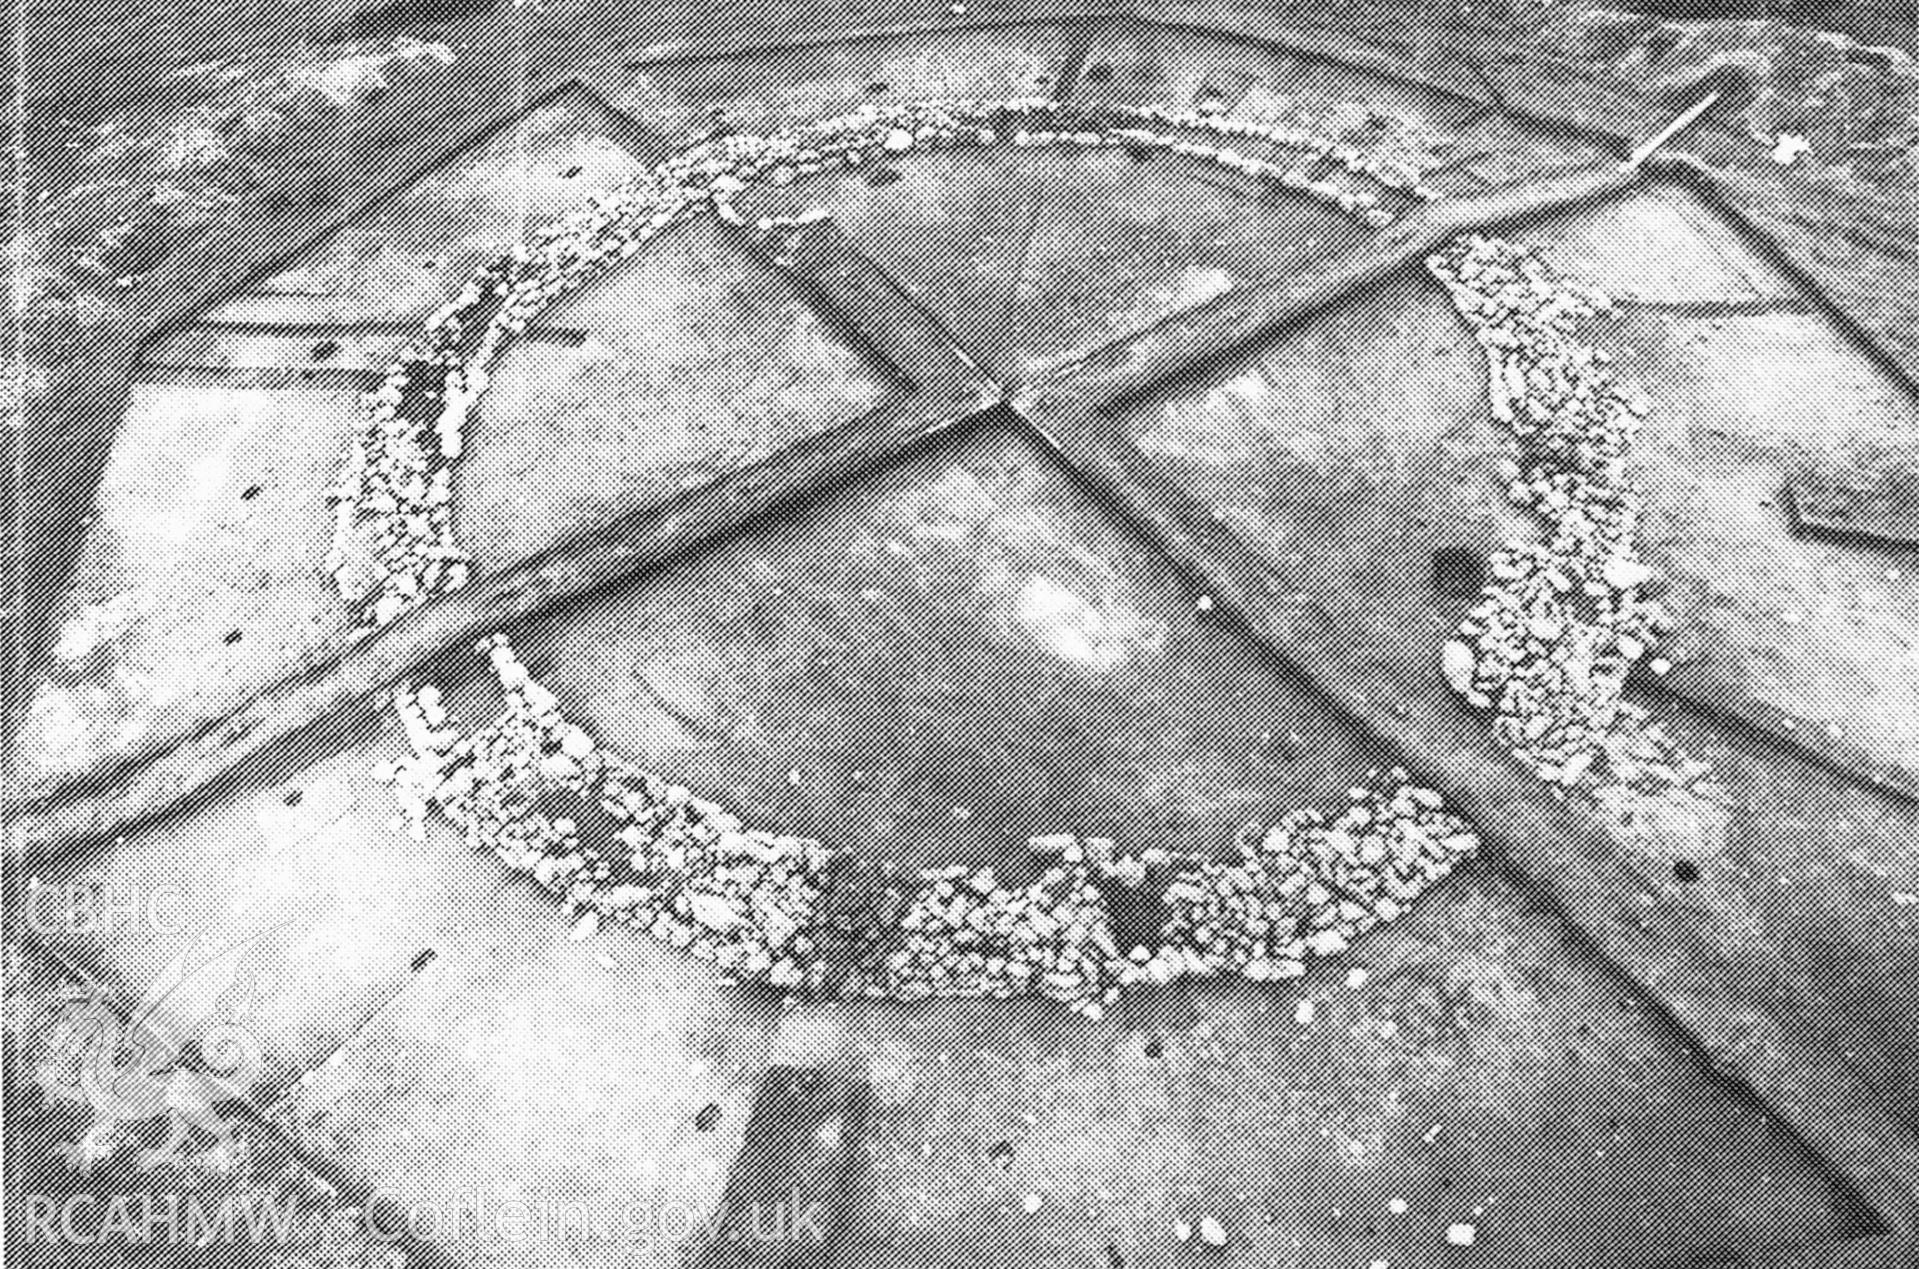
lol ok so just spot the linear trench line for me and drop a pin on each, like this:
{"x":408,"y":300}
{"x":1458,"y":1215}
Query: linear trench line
{"x":1686,"y":171}
{"x":1221,"y":328}
{"x":243,"y":745}
{"x":1804,"y":1084}
{"x":1016,"y":111}
{"x":919,"y":352}
{"x":1890,"y":1203}
{"x":266,"y":1120}
{"x":197,"y":298}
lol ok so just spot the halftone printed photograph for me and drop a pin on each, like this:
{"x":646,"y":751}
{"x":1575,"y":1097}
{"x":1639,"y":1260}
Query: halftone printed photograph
{"x":994,"y":634}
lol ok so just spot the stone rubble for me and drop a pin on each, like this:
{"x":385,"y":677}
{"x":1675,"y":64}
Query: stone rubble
{"x":624,"y":847}
{"x":1560,"y":624}
{"x":393,"y":542}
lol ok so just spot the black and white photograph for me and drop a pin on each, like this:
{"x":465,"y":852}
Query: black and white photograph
{"x":994,"y":634}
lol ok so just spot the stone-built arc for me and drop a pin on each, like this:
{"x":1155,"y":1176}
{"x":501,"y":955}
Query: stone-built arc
{"x":1243,"y":602}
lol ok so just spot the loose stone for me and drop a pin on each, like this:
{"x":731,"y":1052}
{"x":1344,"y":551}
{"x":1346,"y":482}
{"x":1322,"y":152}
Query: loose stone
{"x":1561,"y":623}
{"x":392,"y":546}
{"x":619,"y":845}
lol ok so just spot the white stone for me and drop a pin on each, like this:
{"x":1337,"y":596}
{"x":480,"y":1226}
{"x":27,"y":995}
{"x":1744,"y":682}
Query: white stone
{"x":713,"y":912}
{"x":1624,"y":574}
{"x":1457,"y":662}
{"x":1328,"y":943}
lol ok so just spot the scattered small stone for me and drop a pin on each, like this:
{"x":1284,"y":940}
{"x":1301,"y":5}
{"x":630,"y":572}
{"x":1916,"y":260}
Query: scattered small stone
{"x":658,"y":859}
{"x":1625,"y":574}
{"x":1031,"y":1203}
{"x":1459,"y":665}
{"x":1559,"y":625}
{"x":1461,"y":1234}
{"x":1303,"y":1012}
{"x":1211,"y":1232}
{"x":392,"y":542}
